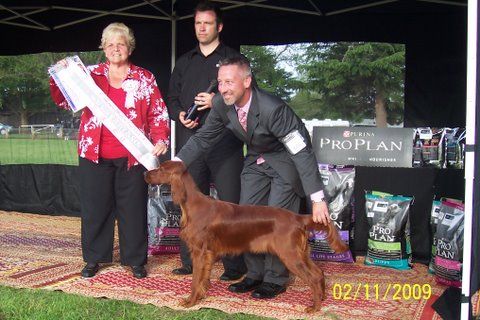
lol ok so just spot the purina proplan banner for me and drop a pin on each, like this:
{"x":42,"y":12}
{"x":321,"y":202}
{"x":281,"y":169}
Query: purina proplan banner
{"x":389,"y":230}
{"x":364,"y":146}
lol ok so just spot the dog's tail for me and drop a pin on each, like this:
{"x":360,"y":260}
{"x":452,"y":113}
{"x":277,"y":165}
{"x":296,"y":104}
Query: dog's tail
{"x":333,"y":237}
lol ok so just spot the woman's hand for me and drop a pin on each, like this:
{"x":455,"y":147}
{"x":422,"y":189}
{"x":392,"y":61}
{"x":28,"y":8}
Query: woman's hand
{"x":159,"y":149}
{"x":63,"y":62}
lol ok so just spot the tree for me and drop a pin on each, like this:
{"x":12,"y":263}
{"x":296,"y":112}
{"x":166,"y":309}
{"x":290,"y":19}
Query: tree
{"x":357,"y":80}
{"x":24,"y":82}
{"x":24,"y":85}
{"x":269,"y":75}
{"x":309,"y":105}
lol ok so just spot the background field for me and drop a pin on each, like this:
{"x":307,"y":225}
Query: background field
{"x":39,"y":149}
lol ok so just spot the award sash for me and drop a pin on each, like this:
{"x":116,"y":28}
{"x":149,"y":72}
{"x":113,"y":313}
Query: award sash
{"x":80,"y":91}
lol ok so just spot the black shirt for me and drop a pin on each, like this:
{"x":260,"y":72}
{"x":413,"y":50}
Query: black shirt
{"x":192,"y":74}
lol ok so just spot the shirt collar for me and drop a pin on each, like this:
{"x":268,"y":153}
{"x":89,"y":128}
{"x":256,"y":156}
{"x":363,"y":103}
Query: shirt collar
{"x":218,"y":50}
{"x":246,"y":107}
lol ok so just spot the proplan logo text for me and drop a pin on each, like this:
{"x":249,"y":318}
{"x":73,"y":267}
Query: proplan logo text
{"x":359,"y":141}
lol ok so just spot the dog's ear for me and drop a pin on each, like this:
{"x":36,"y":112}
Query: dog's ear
{"x":179,"y":195}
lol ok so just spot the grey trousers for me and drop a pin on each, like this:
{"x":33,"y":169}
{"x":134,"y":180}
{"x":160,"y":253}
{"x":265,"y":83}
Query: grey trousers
{"x":262,"y":185}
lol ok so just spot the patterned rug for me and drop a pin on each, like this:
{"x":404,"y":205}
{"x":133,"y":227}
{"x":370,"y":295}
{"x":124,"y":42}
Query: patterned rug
{"x":44,"y":252}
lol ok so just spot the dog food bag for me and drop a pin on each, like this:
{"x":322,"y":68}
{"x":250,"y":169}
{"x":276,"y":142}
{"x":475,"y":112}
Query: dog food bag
{"x":163,"y":221}
{"x":454,"y":153}
{"x":452,"y":200}
{"x":428,"y":147}
{"x":389,"y":231}
{"x":449,"y":249}
{"x":435,"y":216}
{"x":339,"y":183}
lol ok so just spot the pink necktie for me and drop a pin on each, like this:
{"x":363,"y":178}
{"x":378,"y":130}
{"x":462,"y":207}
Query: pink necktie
{"x":242,"y":117}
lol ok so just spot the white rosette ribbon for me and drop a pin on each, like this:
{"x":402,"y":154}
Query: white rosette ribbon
{"x":130,"y":86}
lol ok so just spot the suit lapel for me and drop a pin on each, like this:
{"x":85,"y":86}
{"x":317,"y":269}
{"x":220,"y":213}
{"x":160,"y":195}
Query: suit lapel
{"x":253,"y":114}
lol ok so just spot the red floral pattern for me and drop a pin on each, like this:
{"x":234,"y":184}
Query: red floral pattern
{"x":149,"y":112}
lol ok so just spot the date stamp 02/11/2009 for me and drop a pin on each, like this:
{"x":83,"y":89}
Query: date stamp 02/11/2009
{"x":375,"y":291}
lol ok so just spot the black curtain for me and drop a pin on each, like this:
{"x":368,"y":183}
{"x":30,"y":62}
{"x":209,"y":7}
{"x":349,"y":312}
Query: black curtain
{"x":41,"y":188}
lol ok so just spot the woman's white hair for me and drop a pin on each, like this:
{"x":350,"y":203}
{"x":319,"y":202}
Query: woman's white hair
{"x":118,"y":28}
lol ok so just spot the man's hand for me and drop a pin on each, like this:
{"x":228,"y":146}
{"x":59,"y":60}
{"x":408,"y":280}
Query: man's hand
{"x":204,"y":100}
{"x":159,"y":149}
{"x":320,"y":212}
{"x":63,"y":62}
{"x":187,"y":122}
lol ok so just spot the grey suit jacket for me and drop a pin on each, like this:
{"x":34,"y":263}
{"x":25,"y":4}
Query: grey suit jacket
{"x":269,"y":120}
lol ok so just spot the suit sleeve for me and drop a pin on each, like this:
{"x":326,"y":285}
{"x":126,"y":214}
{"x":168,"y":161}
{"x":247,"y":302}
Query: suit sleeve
{"x":283,"y":121}
{"x":206,"y":137}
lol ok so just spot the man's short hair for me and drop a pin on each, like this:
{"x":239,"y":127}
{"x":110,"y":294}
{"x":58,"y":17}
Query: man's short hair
{"x":203,"y":6}
{"x":240,"y":61}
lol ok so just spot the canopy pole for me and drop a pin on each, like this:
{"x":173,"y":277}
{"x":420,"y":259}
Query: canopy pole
{"x":469,"y":155}
{"x":173,"y":43}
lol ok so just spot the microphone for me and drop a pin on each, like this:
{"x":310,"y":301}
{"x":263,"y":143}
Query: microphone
{"x":193,"y":112}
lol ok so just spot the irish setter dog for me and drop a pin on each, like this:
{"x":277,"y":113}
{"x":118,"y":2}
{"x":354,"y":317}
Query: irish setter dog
{"x":213,"y":228}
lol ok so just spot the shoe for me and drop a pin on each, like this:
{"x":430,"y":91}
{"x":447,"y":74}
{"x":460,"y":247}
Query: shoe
{"x":268,"y":291}
{"x":230,"y":275}
{"x":90,"y":270}
{"x":139,"y":272}
{"x":184,"y":270}
{"x":245,"y":285}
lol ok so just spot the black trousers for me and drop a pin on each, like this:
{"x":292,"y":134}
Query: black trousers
{"x":223,"y":169}
{"x":108,"y":192}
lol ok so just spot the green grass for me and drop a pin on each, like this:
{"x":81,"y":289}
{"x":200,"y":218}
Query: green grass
{"x":22,"y":149}
{"x":37,"y":304}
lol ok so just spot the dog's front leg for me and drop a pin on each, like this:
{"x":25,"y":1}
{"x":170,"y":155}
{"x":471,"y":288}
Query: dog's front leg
{"x":299,"y":263}
{"x":202,"y":266}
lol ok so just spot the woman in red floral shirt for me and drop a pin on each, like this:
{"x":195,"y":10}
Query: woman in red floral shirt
{"x":111,"y":180}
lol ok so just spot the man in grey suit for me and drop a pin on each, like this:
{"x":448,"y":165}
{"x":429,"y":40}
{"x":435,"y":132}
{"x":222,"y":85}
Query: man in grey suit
{"x":280,"y":166}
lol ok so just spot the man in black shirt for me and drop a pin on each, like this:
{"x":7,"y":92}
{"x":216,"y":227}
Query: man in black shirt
{"x":223,"y":164}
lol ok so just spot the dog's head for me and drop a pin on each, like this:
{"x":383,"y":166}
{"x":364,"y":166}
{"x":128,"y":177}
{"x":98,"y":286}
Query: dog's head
{"x":165,"y":172}
{"x":169,"y":172}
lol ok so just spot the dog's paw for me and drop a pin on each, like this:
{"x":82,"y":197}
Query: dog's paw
{"x":312,"y":309}
{"x":188,"y":302}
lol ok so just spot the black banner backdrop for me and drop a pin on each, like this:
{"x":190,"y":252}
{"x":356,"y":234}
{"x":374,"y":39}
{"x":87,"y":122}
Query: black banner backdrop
{"x":42,"y":188}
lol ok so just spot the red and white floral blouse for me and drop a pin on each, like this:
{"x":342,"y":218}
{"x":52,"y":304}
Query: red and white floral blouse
{"x":148,"y":111}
